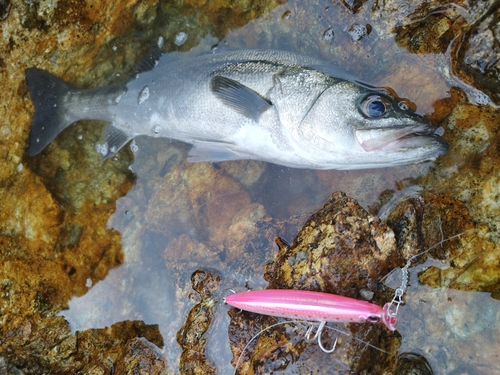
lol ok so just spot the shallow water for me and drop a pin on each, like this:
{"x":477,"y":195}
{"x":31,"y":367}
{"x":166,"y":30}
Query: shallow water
{"x":174,"y":218}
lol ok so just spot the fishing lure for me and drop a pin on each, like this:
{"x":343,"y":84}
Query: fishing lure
{"x":313,"y":306}
{"x":325,"y":307}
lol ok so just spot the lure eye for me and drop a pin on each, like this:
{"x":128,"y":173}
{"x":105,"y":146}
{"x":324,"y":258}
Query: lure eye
{"x":374,"y":106}
{"x":373,"y":319}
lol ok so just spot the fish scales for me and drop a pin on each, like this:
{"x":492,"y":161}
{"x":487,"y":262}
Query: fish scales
{"x":274,"y":106}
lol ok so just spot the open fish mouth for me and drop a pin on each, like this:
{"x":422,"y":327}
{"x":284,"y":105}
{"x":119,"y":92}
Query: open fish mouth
{"x":401,"y":137}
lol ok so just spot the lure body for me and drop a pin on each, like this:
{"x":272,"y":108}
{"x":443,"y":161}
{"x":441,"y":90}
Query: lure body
{"x":308,"y":305}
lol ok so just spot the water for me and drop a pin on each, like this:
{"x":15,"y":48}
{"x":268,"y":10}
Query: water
{"x":172,"y":218}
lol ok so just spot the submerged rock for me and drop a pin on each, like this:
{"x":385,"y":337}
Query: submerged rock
{"x":341,"y":249}
{"x":412,"y":364}
{"x":477,"y":54}
{"x":192,"y":336}
{"x":344,"y":250}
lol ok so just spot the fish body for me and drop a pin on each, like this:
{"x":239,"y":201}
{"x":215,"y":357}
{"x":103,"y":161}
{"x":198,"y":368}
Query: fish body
{"x":267,"y":105}
{"x":308,"y":305}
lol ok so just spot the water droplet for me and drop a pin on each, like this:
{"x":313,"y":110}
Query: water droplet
{"x":180,"y":38}
{"x":102,"y":149}
{"x":287,"y":15}
{"x":80,"y":137}
{"x":88,"y":282}
{"x":328,"y":34}
{"x":133,"y":147}
{"x":160,"y":42}
{"x":115,"y":48}
{"x":143,"y":95}
{"x":20,"y":167}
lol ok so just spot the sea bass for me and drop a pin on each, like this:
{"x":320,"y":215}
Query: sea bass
{"x":275,"y":106}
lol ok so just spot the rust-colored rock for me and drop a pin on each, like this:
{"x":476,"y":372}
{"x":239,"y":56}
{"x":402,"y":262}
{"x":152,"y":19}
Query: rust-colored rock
{"x":341,"y":249}
{"x":192,"y":336}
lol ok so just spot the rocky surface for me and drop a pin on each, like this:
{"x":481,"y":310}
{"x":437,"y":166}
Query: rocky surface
{"x":341,"y":249}
{"x":478,"y":54}
{"x":103,"y":238}
{"x":344,"y":250}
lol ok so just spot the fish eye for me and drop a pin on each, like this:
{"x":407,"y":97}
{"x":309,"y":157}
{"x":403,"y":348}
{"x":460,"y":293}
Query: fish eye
{"x":374,"y":106}
{"x":373,"y":319}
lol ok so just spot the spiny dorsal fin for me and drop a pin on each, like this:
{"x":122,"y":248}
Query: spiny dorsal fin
{"x":239,"y":97}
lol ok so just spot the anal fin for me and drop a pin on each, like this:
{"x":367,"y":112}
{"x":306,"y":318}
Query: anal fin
{"x":114,"y":139}
{"x":212,"y":152}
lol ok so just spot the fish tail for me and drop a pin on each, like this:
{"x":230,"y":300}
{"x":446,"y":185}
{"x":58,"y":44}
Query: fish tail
{"x":51,"y":116}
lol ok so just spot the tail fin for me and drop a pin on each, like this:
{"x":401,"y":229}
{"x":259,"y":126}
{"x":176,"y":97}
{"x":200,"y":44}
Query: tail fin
{"x":47,"y":94}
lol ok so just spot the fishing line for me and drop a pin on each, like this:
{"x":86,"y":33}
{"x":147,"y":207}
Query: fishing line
{"x":255,"y":336}
{"x":392,"y":308}
{"x":299,"y":322}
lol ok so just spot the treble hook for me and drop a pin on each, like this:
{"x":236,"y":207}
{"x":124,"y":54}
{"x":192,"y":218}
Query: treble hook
{"x":317,"y":336}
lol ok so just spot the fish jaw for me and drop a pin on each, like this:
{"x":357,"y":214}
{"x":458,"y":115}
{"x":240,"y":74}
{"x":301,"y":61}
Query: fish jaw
{"x":405,"y":136}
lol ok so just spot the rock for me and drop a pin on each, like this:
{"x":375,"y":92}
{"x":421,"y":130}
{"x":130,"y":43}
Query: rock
{"x":192,"y":336}
{"x":353,"y":5}
{"x":476,"y":55}
{"x":412,"y":364}
{"x":340,"y":239}
{"x":341,"y":249}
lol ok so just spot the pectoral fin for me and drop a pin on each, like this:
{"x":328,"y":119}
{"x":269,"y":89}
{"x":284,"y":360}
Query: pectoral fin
{"x":239,"y":97}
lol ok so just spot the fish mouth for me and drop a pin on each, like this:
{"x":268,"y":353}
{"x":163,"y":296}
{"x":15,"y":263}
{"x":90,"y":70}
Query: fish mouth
{"x":401,"y":137}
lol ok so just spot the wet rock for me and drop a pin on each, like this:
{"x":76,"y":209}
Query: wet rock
{"x":340,"y":239}
{"x":48,"y":346}
{"x":4,"y":9}
{"x":192,"y":336}
{"x":358,"y":32}
{"x":412,"y":364}
{"x":476,"y":55}
{"x":443,"y":224}
{"x":353,"y":5}
{"x":142,"y":357}
{"x":209,"y":199}
{"x":431,"y":34}
{"x":341,"y":249}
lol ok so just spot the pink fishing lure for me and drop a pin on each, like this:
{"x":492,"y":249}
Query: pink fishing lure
{"x":307,"y":305}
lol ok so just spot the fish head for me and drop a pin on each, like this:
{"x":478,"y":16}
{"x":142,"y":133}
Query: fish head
{"x":351,"y":126}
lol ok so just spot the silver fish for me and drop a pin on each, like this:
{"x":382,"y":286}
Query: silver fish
{"x":275,"y":106}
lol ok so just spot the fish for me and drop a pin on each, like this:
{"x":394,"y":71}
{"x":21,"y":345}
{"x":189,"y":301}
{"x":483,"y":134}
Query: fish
{"x":267,"y":105}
